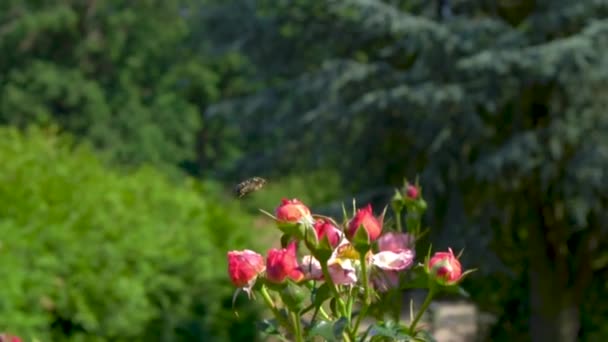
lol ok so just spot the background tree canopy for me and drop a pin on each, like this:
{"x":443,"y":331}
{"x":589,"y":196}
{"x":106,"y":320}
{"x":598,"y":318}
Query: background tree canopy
{"x":498,"y":106}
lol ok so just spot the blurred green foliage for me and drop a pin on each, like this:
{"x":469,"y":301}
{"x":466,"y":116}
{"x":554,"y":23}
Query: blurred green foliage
{"x":88,"y":254}
{"x":126,"y":76}
{"x":317,"y":188}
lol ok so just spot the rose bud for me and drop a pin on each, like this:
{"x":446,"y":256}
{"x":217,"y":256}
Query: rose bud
{"x":244,"y":267}
{"x":445,"y":268}
{"x":412,"y":191}
{"x":324,"y":227}
{"x":395,"y":242}
{"x":292,"y":211}
{"x":283,"y":263}
{"x":364,"y":217}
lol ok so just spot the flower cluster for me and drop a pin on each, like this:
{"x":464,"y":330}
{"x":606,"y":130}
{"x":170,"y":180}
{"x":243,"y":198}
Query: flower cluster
{"x":340,"y":266}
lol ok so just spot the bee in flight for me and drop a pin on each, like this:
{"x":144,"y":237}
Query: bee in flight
{"x":248,"y":186}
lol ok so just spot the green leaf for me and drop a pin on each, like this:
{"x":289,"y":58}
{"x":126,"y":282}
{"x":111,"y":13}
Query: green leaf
{"x":339,"y":326}
{"x":424,"y":336}
{"x":285,"y":239}
{"x":321,"y":294}
{"x":293,"y":296}
{"x":324,"y":329}
{"x":361,"y":240}
{"x":454,"y":289}
{"x":391,"y":331}
{"x":323,"y":251}
{"x":333,"y":306}
{"x":419,"y":279}
{"x":268,"y":327}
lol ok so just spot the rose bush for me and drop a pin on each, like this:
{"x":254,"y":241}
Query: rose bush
{"x":344,"y":272}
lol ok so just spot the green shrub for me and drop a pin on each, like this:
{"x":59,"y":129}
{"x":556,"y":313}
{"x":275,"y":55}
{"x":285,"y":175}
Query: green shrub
{"x":87,"y":253}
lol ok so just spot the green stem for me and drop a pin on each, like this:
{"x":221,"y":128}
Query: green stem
{"x":273,"y":308}
{"x":297,"y":323}
{"x":323,"y":313}
{"x":425,"y":305}
{"x":349,"y":306}
{"x":332,"y":286}
{"x":366,"y":287}
{"x":398,"y":220}
{"x":366,"y":295}
{"x":362,"y":313}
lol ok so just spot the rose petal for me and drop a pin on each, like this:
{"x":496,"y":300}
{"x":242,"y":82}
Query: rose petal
{"x":311,"y":268}
{"x":393,"y":261}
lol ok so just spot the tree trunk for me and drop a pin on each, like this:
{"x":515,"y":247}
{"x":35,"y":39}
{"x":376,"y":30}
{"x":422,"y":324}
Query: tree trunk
{"x":554,"y":316}
{"x":554,"y":307}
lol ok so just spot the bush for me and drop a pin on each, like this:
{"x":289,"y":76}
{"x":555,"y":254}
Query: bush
{"x":87,"y":253}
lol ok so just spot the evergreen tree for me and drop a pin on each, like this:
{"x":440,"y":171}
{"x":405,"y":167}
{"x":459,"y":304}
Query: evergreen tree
{"x":500,"y":103}
{"x":122,"y":75}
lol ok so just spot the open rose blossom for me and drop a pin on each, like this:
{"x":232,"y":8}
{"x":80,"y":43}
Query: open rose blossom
{"x":341,"y":266}
{"x":324,"y":227}
{"x":395,"y":255}
{"x":282,"y":264}
{"x":311,"y":268}
{"x":343,"y":271}
{"x":244,"y":267}
{"x":445,"y":268}
{"x":292,"y":211}
{"x":393,"y":261}
{"x":365,"y":217}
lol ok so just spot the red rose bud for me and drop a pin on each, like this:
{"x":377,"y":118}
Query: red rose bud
{"x":244,"y":267}
{"x":282,"y":264}
{"x":412,"y":191}
{"x":445,"y":268}
{"x":292,"y":211}
{"x":364,"y":217}
{"x":324,"y":227}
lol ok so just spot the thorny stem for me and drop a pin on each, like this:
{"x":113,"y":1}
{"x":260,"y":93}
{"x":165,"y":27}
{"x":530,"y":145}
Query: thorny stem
{"x":425,"y":305}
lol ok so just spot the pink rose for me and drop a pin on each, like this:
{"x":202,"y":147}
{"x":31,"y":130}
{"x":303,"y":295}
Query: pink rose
{"x":445,"y":268}
{"x":282,"y":264}
{"x":324,"y":227}
{"x":244,"y":267}
{"x":394,"y":242}
{"x":393,"y":261}
{"x":311,"y":268}
{"x":365,"y":218}
{"x":292,"y":211}
{"x":342,"y":272}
